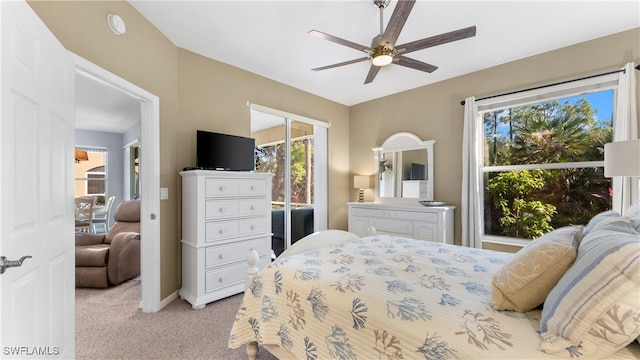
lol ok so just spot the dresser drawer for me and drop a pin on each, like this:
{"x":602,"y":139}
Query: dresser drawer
{"x":221,"y":208}
{"x":252,"y":187}
{"x":217,"y":230}
{"x":229,"y":253}
{"x":221,"y":187}
{"x":369,"y":212}
{"x":413,"y":215}
{"x":254,"y":226}
{"x":228,"y":276}
{"x":251,"y":206}
{"x":394,"y":226}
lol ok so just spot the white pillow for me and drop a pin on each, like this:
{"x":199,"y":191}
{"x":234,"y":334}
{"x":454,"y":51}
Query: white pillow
{"x":600,"y":292}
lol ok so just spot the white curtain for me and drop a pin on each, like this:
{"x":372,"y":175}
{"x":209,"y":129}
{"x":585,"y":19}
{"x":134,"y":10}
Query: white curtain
{"x":471,"y":193}
{"x":625,"y":127}
{"x":321,"y":168}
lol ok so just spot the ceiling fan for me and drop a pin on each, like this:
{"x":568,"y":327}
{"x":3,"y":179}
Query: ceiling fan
{"x":384,"y":51}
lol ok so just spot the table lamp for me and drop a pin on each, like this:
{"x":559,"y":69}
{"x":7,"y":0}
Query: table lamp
{"x":361,"y":182}
{"x":622,"y":158}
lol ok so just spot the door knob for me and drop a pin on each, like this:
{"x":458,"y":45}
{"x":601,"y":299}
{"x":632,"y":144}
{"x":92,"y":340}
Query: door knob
{"x":5,"y":264}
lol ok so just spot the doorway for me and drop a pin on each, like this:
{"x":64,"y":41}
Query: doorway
{"x":149,"y":174}
{"x":132,"y":170}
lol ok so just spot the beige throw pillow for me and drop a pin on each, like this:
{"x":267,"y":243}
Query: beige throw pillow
{"x":524,"y":282}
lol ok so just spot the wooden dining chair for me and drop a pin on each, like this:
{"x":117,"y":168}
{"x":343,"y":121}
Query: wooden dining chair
{"x":101,"y":220}
{"x":84,"y":213}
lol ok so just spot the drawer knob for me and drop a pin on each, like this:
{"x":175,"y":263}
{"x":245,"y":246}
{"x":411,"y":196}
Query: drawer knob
{"x":222,"y":209}
{"x":222,"y":279}
{"x":253,"y":207}
{"x":222,"y":188}
{"x":221,"y":256}
{"x":252,"y":227}
{"x":222,"y":231}
{"x":252,"y":187}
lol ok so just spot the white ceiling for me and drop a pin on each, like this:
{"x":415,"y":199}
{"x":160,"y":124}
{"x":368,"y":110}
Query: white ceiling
{"x":100,"y":107}
{"x":269,"y":38}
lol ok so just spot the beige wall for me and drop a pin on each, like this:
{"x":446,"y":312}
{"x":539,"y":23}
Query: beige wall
{"x":434,"y":112}
{"x":194,"y":93}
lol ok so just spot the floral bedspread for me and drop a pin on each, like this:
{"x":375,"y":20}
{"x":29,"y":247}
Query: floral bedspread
{"x":384,"y":297}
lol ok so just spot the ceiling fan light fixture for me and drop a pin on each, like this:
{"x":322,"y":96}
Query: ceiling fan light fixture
{"x":382,"y":58}
{"x":383,"y":49}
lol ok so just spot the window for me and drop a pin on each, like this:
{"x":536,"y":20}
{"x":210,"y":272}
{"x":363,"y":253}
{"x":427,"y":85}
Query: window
{"x":541,"y":158}
{"x":90,"y":173}
{"x":95,"y":181}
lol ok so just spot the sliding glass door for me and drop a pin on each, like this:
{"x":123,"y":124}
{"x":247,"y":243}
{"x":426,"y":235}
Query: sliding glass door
{"x":288,"y":148}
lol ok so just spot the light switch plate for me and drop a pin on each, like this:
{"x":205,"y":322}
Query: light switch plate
{"x":164,"y":193}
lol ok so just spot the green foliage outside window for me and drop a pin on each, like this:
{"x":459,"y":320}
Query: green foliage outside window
{"x":527,"y":203}
{"x":521,"y":217}
{"x":271,"y":159}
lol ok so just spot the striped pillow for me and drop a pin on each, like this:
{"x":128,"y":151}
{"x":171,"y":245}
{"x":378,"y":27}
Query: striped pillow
{"x":597,"y":219}
{"x":594,"y":310}
{"x":633,"y":213}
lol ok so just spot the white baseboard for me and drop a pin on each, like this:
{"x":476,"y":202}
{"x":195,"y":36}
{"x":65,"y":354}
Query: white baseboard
{"x":166,"y":301}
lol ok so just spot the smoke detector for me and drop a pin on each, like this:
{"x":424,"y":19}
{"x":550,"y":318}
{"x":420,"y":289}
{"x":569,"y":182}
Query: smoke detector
{"x":116,"y":24}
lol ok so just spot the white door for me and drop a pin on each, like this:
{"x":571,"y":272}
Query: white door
{"x":36,"y":194}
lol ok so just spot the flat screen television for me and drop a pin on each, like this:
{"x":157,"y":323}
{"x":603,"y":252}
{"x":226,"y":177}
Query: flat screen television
{"x":216,"y":151}
{"x":417,"y":172}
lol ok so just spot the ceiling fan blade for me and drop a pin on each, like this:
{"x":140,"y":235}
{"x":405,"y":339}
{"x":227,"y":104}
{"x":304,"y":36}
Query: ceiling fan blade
{"x":397,"y":21}
{"x":437,"y":40}
{"x":414,"y":64}
{"x":340,"y":64}
{"x":338,"y":40}
{"x":373,"y":71}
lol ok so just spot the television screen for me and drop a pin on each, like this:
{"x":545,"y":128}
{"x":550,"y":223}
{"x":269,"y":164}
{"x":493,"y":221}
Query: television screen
{"x":417,"y":171}
{"x":216,"y":151}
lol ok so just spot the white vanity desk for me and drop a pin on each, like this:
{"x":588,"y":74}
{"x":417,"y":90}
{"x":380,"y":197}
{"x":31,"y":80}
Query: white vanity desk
{"x":413,"y":220}
{"x":398,"y":188}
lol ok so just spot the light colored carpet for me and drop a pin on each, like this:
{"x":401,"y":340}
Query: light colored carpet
{"x":109,"y":325}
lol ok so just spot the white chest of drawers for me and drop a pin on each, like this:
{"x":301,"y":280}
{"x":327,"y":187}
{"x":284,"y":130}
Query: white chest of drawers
{"x":432,"y":223}
{"x":224,"y":215}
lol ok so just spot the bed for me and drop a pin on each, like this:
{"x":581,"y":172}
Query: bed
{"x":387,"y":297}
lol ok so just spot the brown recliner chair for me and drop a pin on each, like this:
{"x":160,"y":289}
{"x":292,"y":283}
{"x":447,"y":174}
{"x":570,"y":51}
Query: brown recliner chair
{"x":103,"y":260}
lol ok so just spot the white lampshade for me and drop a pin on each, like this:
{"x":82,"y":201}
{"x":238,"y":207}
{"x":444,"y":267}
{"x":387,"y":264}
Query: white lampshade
{"x":361,"y":182}
{"x":622,"y":158}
